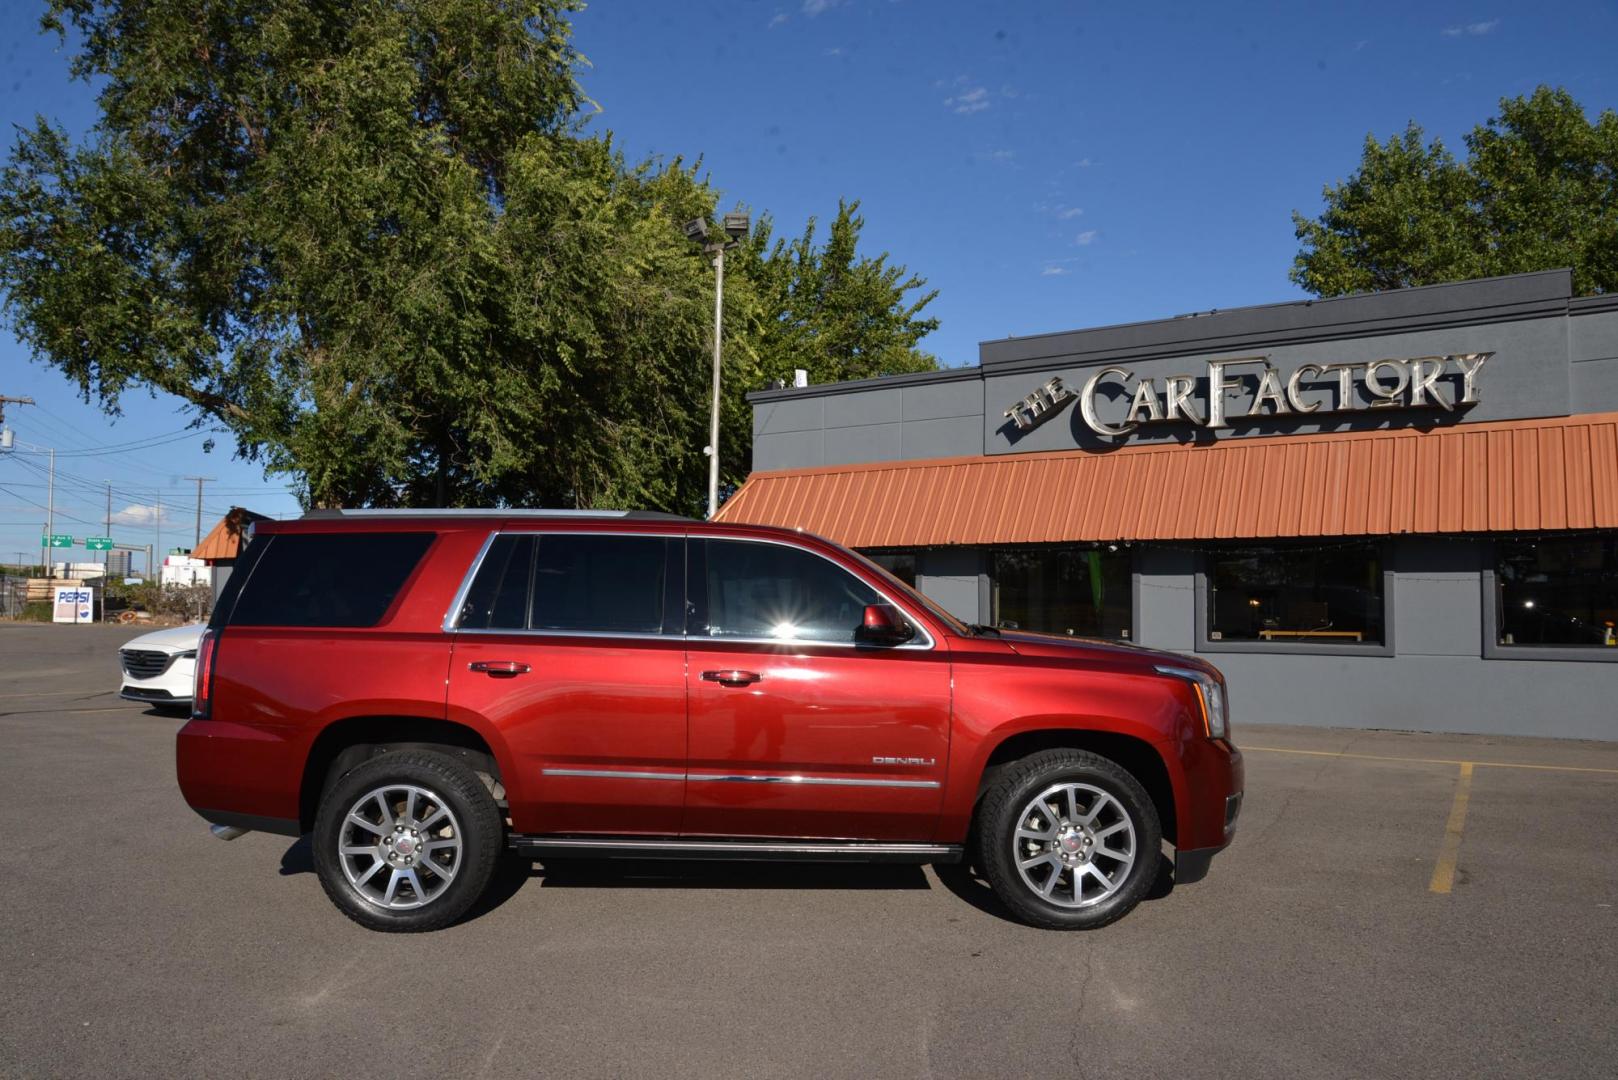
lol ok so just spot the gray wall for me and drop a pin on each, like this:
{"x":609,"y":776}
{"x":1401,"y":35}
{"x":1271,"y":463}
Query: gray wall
{"x":1553,"y":355}
{"x":1437,"y":679}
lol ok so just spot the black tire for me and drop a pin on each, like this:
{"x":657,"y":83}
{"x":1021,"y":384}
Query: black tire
{"x":996,"y":847}
{"x":477,"y":823}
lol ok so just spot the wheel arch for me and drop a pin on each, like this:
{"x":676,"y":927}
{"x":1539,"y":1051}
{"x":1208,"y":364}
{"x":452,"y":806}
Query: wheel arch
{"x":345,"y":743}
{"x":1139,"y":757}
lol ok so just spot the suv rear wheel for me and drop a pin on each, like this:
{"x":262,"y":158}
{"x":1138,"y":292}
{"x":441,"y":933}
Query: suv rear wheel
{"x":1068,"y":840}
{"x":407,"y":841}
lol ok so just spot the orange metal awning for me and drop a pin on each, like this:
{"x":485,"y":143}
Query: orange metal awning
{"x":224,"y":541}
{"x":1507,"y":476}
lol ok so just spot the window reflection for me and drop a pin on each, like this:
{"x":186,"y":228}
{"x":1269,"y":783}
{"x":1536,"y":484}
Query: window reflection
{"x":1560,"y":590}
{"x":1278,"y":593}
{"x":1083,"y":590}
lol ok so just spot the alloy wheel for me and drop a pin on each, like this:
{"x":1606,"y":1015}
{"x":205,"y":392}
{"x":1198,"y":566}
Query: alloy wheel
{"x":400,"y":846}
{"x":1074,"y":845}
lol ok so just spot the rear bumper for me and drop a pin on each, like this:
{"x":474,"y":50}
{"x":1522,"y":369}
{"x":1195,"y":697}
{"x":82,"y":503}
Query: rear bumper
{"x":251,"y":822}
{"x":233,"y":774}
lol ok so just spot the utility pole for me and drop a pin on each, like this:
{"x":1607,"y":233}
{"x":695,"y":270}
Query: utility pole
{"x":4,"y":401}
{"x":5,"y":444}
{"x":157,"y":538}
{"x":200,"y":481}
{"x":106,"y":556}
{"x":50,"y":518}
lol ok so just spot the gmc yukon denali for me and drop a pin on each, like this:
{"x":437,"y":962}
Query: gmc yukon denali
{"x":427,"y":692}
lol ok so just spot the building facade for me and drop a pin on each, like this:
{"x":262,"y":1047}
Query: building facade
{"x":1393,"y":510}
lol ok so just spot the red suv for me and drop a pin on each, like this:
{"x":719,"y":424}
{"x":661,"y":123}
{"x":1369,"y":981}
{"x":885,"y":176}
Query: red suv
{"x":427,"y":691}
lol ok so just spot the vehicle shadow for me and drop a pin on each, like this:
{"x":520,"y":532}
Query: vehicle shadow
{"x":299,"y":858}
{"x":961,"y":879}
{"x":581,"y":873}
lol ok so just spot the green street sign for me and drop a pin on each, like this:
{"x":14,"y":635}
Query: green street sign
{"x":56,"y":540}
{"x":99,"y":543}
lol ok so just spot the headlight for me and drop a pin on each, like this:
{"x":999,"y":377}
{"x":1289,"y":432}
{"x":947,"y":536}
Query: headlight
{"x":1212,"y":694}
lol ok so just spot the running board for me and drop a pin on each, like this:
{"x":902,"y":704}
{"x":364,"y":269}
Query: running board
{"x":792,"y":850}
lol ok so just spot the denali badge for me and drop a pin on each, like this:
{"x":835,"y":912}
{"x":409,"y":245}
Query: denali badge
{"x":904,"y":761}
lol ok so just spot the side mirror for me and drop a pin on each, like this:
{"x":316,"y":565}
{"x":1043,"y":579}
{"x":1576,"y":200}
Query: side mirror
{"x":883,"y":625}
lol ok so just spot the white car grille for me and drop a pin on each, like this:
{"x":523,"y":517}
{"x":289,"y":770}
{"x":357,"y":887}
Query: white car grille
{"x":145,"y":663}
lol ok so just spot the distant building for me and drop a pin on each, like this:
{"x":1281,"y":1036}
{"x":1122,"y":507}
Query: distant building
{"x":223,"y":544}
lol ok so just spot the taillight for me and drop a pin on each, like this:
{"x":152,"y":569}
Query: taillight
{"x":202,"y":684}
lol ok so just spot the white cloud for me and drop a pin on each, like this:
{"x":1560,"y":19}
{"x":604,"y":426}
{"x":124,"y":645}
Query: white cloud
{"x":1055,"y":271}
{"x":834,"y":51}
{"x":141,"y":515}
{"x":1069,"y":213}
{"x":1086,"y":238}
{"x":781,"y":19}
{"x":1082,"y":163}
{"x":1002,"y":155}
{"x":1471,"y":29}
{"x":812,"y":8}
{"x":967,"y":102}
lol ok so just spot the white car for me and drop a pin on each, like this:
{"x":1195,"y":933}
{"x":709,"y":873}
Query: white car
{"x":158,"y":666}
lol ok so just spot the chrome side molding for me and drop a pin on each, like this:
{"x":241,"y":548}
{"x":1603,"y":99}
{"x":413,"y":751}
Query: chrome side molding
{"x":746,"y":778}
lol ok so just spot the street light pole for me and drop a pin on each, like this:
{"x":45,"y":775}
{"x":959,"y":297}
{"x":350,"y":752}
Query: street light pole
{"x":713,"y":424}
{"x":735,"y":225}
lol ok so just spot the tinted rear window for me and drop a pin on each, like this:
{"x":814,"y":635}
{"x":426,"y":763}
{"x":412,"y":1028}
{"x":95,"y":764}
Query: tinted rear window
{"x":578,"y":582}
{"x":328,"y":579}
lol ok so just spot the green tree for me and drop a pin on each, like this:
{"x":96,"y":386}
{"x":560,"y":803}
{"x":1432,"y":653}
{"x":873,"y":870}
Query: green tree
{"x":1537,"y":191}
{"x":370,"y":239}
{"x":832,"y":311}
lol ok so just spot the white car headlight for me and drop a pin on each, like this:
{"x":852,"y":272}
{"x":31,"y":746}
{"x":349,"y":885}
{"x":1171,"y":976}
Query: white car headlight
{"x":1212,"y":694}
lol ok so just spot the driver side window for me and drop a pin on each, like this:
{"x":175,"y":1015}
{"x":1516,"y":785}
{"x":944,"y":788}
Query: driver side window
{"x":780,"y":593}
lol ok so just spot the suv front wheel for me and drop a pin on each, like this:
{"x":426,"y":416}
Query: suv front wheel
{"x":1068,"y":840}
{"x":407,"y":841}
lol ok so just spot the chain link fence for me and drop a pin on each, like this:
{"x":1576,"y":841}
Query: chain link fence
{"x":13,"y":596}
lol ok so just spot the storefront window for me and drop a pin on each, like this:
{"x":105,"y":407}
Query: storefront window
{"x":1314,"y":594}
{"x":901,"y":564}
{"x":1084,"y":591}
{"x":1557,"y":591}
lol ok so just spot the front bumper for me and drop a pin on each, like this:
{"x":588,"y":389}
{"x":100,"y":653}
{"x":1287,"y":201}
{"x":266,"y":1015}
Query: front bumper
{"x":1192,"y":864}
{"x":150,"y":695}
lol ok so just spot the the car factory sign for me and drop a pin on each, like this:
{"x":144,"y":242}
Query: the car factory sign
{"x":1439,"y":382}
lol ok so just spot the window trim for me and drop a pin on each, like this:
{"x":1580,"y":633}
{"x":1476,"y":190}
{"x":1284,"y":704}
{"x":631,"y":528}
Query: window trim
{"x":1493,"y":650}
{"x":452,"y":615}
{"x":1204,"y":644}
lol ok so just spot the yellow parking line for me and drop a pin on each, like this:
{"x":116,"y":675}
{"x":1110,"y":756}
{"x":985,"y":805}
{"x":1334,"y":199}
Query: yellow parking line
{"x":1444,"y":872}
{"x":1433,"y":761}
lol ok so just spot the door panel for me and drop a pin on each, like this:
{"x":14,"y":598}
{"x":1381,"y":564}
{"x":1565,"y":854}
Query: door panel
{"x":588,"y":712}
{"x":569,"y":642}
{"x":812,"y":734}
{"x":804,"y":742}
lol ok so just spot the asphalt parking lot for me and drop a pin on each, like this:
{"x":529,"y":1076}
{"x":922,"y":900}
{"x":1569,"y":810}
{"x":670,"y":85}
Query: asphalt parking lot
{"x":1386,"y":911}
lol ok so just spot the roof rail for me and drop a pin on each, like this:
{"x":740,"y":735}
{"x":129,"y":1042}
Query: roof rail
{"x":495,"y":512}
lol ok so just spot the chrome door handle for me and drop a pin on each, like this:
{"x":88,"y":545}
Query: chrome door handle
{"x":500,"y":669}
{"x":732,"y":678}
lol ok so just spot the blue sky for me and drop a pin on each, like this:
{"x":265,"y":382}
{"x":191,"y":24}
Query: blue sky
{"x":1045,"y":165}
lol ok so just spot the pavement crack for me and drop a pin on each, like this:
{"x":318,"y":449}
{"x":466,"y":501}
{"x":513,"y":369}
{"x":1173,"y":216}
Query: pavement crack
{"x":1078,"y":1016}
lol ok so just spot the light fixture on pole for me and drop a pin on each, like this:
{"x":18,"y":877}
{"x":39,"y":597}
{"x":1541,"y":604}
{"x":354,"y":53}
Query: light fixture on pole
{"x":736,"y":225}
